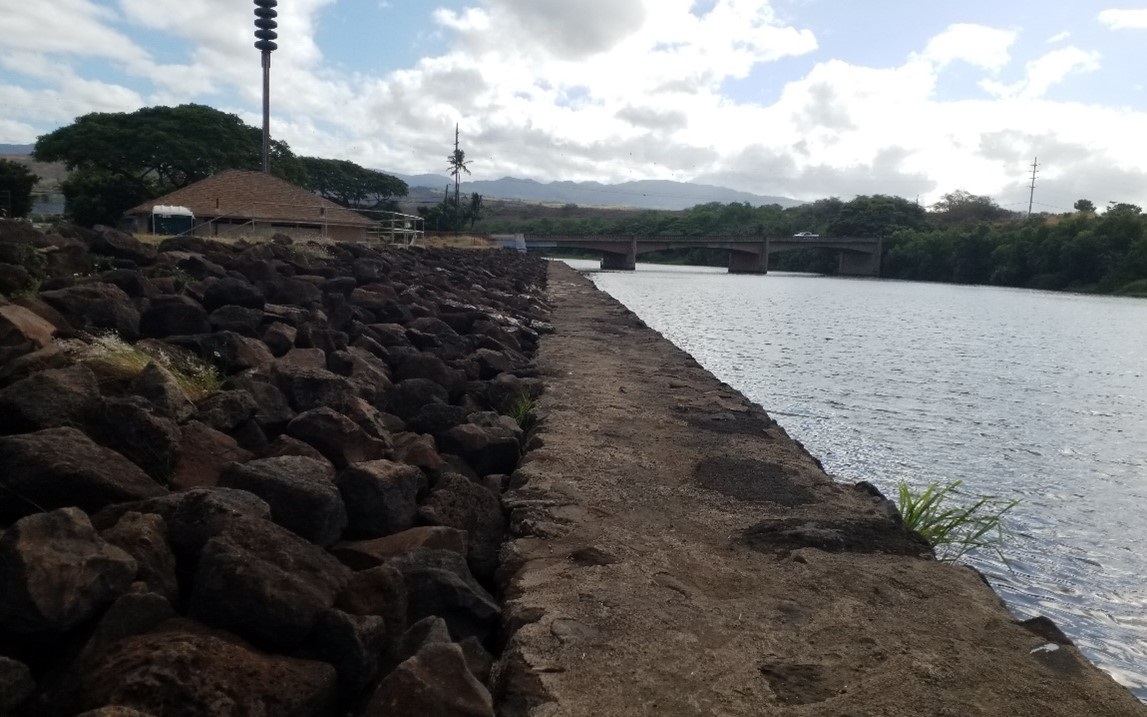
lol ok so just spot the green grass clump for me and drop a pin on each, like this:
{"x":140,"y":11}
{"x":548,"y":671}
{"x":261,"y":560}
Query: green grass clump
{"x":114,"y":360}
{"x":522,"y":411}
{"x":953,"y":530}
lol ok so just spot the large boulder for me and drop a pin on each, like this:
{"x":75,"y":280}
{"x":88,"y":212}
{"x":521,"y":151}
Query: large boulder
{"x":57,"y":572}
{"x":457,"y":502}
{"x":130,"y":426}
{"x":264,"y":583}
{"x":488,"y":449}
{"x":307,"y":388}
{"x":173,"y":315}
{"x":60,"y":467}
{"x":436,"y":681}
{"x":380,"y":496}
{"x":203,"y":454}
{"x":119,"y":245}
{"x":160,"y":388}
{"x":428,"y":366}
{"x":96,"y":306}
{"x":232,"y":292}
{"x":407,"y":398}
{"x":23,"y":329}
{"x":336,"y":436}
{"x":48,"y":399}
{"x":301,"y":492}
{"x":143,"y":536}
{"x":192,"y":518}
{"x":241,"y":320}
{"x":378,"y":591}
{"x":183,"y":668}
{"x":439,"y":582}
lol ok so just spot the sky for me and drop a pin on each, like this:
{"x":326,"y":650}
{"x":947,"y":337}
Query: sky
{"x":797,"y":98}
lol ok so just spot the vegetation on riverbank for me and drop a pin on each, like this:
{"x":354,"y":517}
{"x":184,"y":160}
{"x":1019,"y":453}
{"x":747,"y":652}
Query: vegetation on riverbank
{"x":952,"y":528}
{"x":963,"y":239}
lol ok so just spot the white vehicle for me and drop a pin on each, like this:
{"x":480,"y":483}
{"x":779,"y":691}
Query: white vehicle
{"x":806,"y":235}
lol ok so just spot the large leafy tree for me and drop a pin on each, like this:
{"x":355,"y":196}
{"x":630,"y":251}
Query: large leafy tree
{"x":16,"y":183}
{"x":350,"y":185}
{"x":153,"y":151}
{"x":961,"y":207}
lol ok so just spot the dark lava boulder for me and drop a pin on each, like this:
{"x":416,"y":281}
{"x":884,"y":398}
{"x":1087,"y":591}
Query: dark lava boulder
{"x":184,"y":668}
{"x":57,"y":572}
{"x":59,"y":467}
{"x":264,"y":583}
{"x":48,"y":399}
{"x":380,"y":496}
{"x":96,"y":306}
{"x":301,"y":492}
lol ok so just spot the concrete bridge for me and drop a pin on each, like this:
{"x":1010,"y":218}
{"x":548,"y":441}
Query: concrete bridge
{"x":747,"y":254}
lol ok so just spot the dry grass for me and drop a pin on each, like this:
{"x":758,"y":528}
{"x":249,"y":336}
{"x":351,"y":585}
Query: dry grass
{"x":115,"y":361}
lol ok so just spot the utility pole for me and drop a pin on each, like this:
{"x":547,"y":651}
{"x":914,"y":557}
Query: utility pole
{"x":1031,"y":197}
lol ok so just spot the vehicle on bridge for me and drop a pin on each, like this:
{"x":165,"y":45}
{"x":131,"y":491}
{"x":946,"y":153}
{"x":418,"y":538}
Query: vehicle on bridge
{"x":806,"y":235}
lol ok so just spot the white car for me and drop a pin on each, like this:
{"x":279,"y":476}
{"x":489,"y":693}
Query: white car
{"x":806,"y":235}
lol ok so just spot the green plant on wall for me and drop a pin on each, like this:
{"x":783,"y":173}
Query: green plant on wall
{"x":950,"y":527}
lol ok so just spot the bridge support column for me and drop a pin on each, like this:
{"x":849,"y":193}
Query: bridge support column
{"x":621,"y":262}
{"x":856,"y":264}
{"x":747,"y":262}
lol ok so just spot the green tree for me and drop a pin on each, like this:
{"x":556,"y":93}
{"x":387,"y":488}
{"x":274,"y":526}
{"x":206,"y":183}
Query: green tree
{"x":878,"y":215}
{"x":155,"y":150}
{"x":16,"y":183}
{"x":350,"y":185}
{"x":474,"y":209}
{"x":1085,"y":205}
{"x":962,"y":207}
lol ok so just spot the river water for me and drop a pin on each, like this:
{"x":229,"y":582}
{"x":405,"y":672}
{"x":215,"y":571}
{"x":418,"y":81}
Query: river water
{"x":1036,"y":396}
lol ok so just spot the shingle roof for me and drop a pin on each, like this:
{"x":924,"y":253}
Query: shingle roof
{"x":243,"y":194}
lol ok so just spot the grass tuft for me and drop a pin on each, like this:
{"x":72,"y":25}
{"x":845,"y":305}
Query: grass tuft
{"x":114,"y":360}
{"x":953,"y":530}
{"x":522,"y":411}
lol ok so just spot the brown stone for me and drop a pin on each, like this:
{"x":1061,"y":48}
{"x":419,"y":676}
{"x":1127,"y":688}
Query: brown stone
{"x":204,"y":452}
{"x":366,"y":554}
{"x":57,"y":572}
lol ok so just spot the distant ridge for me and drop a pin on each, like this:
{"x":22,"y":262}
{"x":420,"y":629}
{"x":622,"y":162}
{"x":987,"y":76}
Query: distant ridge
{"x":644,"y":194}
{"x":15,"y":149}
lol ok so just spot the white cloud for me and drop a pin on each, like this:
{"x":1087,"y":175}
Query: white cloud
{"x":1045,"y":72}
{"x":634,"y":91}
{"x":1124,"y":19}
{"x":1058,"y":37}
{"x":984,"y":47}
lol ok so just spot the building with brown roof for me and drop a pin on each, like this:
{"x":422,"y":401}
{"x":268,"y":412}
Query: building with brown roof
{"x":243,"y":203}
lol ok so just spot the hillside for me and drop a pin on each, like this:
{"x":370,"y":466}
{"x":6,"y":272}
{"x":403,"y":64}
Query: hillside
{"x":644,"y":194}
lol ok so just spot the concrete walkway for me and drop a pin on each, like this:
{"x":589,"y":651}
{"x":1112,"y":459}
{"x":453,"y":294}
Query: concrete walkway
{"x":679,"y":554}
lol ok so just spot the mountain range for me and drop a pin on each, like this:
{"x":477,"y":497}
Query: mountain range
{"x":643,"y":194}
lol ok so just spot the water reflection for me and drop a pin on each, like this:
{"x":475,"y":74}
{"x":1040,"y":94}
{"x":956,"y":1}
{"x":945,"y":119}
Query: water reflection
{"x":1030,"y":395}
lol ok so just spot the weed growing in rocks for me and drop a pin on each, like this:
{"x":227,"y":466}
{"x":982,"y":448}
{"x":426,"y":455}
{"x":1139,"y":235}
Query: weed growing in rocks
{"x":953,"y":530}
{"x":113,"y":359}
{"x":523,"y":413}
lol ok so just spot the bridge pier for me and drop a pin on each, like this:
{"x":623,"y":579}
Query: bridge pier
{"x":857,"y":264}
{"x":747,"y":262}
{"x":621,"y":262}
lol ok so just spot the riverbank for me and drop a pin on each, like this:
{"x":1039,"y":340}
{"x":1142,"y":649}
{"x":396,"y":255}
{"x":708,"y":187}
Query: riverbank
{"x":679,"y":554}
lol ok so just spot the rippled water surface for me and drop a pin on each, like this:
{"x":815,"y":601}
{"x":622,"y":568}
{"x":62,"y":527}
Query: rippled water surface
{"x":1022,"y":394}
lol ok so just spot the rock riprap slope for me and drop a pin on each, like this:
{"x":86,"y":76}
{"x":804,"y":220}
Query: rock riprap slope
{"x":255,"y":478}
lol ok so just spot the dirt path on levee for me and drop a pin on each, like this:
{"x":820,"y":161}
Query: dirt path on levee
{"x":679,"y":554}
